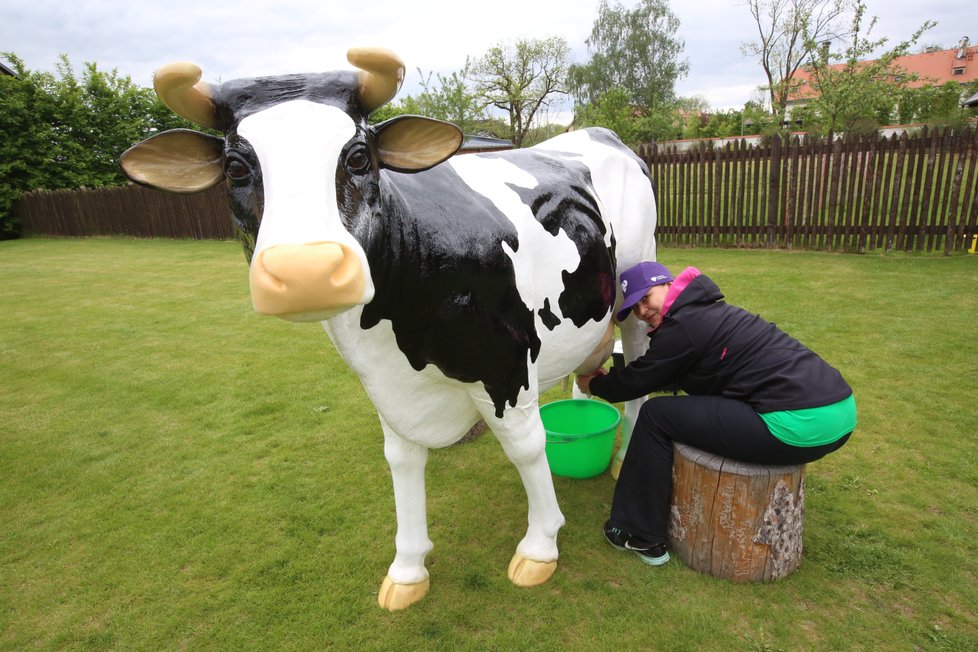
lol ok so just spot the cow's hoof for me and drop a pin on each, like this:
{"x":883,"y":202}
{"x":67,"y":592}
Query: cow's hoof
{"x":394,"y":596}
{"x":527,"y":572}
{"x":615,"y":468}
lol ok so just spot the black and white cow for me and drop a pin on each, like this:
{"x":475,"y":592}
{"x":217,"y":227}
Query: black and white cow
{"x":455,"y":287}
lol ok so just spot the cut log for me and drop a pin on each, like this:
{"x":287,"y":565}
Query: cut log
{"x":736,"y":521}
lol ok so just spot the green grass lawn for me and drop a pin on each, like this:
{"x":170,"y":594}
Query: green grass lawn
{"x":177,"y":472}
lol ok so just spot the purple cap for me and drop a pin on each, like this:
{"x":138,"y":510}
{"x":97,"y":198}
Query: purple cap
{"x":636,"y":281}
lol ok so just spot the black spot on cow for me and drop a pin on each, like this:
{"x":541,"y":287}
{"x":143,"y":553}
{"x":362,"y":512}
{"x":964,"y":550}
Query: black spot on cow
{"x":447,"y":286}
{"x":563,"y":200}
{"x":239,"y":98}
{"x":547,"y":316}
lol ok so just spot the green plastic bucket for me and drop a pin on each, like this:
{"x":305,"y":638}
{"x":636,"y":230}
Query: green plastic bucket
{"x":580,"y":436}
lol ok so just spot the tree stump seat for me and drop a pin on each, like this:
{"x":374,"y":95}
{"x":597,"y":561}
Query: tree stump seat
{"x":733,"y":520}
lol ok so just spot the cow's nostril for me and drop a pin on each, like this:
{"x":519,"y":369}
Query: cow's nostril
{"x":346,"y":270}
{"x":307,"y":281}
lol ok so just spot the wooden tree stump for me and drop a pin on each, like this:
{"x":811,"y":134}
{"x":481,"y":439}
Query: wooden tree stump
{"x":733,"y":520}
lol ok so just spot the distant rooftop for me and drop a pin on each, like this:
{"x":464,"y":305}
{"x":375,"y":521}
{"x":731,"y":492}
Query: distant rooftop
{"x":933,"y":68}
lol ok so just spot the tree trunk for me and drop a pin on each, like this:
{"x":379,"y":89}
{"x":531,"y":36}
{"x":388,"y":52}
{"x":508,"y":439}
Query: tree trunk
{"x":733,"y":520}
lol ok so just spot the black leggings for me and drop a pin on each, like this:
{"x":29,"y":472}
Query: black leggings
{"x":722,"y":426}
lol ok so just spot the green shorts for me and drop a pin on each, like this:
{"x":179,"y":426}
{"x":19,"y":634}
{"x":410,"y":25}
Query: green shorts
{"x":813,"y":426}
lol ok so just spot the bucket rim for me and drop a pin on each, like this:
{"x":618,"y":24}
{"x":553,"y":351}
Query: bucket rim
{"x":568,"y":437}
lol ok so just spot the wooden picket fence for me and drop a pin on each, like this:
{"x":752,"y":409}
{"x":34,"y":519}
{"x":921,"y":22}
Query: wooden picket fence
{"x":906,"y":192}
{"x":129,"y":210}
{"x":910,"y":193}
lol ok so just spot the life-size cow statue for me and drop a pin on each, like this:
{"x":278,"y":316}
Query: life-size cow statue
{"x":455,"y":287}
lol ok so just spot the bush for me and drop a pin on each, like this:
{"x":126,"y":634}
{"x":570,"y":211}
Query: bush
{"x":61,"y":131}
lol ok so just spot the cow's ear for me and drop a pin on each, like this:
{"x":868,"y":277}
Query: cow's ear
{"x":411,"y":143}
{"x":180,"y":160}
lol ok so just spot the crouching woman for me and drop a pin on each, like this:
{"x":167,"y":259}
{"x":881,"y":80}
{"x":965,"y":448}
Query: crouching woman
{"x":752,"y":393}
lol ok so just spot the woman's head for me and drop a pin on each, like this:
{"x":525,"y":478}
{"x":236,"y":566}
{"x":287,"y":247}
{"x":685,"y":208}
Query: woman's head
{"x":644,"y":287}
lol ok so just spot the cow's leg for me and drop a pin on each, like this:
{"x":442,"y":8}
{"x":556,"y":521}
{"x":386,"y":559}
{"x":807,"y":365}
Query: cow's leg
{"x":634,"y":341}
{"x":407,"y":578}
{"x":521,"y":433}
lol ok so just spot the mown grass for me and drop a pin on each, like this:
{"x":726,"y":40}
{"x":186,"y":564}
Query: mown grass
{"x":179,"y":473}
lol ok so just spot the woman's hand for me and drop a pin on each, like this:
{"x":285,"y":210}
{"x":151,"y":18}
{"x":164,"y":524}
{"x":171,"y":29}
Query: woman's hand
{"x":584,"y":381}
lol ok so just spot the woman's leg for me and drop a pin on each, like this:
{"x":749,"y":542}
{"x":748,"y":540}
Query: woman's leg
{"x":714,"y":424}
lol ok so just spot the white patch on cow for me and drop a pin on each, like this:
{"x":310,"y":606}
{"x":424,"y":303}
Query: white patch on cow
{"x":298,"y":145}
{"x":541,"y":257}
{"x":625,"y":194}
{"x":538,"y":263}
{"x":437,"y":411}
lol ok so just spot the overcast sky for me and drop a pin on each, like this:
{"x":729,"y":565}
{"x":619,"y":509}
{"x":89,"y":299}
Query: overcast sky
{"x":248,"y":38}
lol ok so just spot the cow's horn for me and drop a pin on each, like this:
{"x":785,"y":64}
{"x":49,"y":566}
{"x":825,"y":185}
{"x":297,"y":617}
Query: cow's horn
{"x":382,"y":73}
{"x":178,"y":86}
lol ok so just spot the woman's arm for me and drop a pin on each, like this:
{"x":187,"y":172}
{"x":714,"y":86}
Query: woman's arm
{"x":669,"y":355}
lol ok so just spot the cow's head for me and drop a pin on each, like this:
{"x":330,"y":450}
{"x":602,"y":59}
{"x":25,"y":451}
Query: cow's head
{"x":302,"y":169}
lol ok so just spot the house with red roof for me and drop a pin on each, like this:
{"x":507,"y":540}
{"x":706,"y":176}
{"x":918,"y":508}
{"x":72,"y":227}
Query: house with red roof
{"x":931,"y":68}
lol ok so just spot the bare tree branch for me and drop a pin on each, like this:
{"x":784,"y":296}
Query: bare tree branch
{"x":786,"y":31}
{"x":522,"y":77}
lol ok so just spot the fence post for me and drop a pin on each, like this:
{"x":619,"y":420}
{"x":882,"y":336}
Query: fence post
{"x":774,"y":190}
{"x":792,"y":203}
{"x":952,"y":216}
{"x":717,"y":192}
{"x":968,"y":226}
{"x":835,"y":190}
{"x":942,"y":183}
{"x":740,"y":233}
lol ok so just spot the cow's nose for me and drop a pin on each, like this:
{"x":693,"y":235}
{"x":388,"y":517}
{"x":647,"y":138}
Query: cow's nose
{"x":306,"y":282}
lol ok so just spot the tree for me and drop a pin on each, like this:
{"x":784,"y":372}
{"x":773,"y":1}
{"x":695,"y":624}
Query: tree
{"x":693,"y":113}
{"x":632,"y":49}
{"x":614,"y":110}
{"x":521,"y":78}
{"x":756,"y":119}
{"x":25,"y":114}
{"x":968,"y":90}
{"x":536,"y":135}
{"x":860,"y":94}
{"x":933,"y":104}
{"x":451,"y":99}
{"x":723,"y":123}
{"x":788,"y":32}
{"x":60,"y":131}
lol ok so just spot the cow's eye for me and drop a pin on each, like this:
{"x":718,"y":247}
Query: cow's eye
{"x":237,"y":170}
{"x":358,"y":160}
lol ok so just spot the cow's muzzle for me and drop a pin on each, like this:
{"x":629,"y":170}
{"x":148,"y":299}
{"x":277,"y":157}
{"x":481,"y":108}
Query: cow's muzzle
{"x":306,"y":282}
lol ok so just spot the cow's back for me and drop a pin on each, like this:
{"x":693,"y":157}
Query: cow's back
{"x":626,"y":197}
{"x":623,"y":184}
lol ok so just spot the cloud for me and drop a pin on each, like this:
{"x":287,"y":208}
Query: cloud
{"x":256,"y":37}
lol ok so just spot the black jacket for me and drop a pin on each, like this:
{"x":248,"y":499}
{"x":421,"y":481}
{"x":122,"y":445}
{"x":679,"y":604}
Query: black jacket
{"x":707,"y":347}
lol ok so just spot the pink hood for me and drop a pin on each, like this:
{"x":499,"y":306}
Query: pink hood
{"x":678,"y":286}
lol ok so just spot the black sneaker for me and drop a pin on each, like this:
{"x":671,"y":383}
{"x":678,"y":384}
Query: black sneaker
{"x":653,"y":554}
